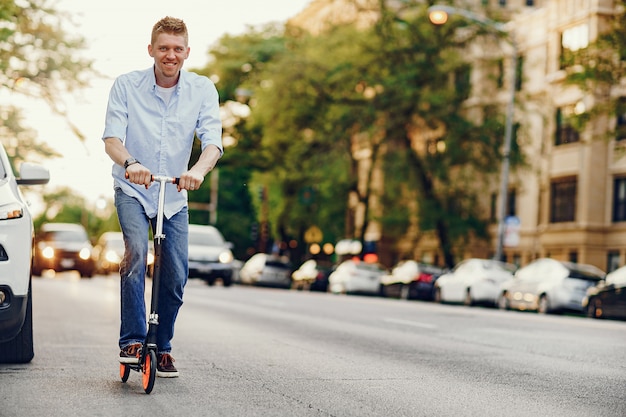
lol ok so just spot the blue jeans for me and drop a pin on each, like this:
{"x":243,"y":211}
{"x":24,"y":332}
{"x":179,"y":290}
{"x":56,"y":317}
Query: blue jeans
{"x":174,"y":271}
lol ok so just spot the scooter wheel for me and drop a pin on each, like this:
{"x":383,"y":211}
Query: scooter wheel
{"x":149,"y":371}
{"x":124,"y":372}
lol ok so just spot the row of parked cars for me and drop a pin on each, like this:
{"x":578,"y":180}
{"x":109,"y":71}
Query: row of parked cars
{"x":546,"y":285}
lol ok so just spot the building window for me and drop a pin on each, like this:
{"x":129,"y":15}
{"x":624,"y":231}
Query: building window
{"x":530,"y":2}
{"x":519,"y":73}
{"x":619,"y":199}
{"x":565,"y":130}
{"x":612,"y":261}
{"x":573,"y":39}
{"x":563,"y":200}
{"x":573,"y":257}
{"x":620,"y":127}
{"x":462,"y":81}
{"x":511,"y":203}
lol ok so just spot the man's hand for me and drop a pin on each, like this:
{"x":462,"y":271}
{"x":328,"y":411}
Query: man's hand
{"x":139,"y":174}
{"x":190,"y":180}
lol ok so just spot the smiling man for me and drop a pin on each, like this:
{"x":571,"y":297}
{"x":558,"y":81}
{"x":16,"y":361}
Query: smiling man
{"x":152,"y":118}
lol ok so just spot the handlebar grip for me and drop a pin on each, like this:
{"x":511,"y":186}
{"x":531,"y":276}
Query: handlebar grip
{"x":153,"y":178}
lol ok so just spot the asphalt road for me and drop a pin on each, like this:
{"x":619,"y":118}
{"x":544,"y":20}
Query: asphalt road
{"x":245,"y":351}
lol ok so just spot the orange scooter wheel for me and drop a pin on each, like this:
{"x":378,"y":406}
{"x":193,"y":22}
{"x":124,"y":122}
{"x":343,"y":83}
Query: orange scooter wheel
{"x":149,"y":372}
{"x":124,"y":372}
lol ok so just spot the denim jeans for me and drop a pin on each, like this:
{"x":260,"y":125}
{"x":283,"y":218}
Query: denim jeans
{"x":174,"y":271}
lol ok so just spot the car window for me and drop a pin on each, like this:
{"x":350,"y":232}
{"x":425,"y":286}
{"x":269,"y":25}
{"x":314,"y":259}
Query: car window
{"x":205,"y":239}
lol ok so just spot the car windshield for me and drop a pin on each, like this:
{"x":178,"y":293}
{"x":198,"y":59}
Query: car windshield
{"x":65,"y":236}
{"x":585,"y":272}
{"x":205,"y":239}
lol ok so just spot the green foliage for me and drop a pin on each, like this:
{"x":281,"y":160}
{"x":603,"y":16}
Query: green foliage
{"x":318,"y":100}
{"x":601,"y":66}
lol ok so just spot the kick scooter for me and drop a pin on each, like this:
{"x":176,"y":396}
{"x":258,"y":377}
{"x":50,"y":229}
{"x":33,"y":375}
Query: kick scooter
{"x":147,"y":364}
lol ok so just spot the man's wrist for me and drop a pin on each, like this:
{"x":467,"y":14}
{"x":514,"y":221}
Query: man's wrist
{"x":130,"y":161}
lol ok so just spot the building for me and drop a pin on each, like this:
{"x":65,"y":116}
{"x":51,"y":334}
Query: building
{"x":570,"y":202}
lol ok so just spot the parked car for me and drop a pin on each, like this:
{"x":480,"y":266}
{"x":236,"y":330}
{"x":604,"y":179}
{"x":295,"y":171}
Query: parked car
{"x":473,"y":281}
{"x":63,"y":247}
{"x":108,"y":252}
{"x":210,"y":256}
{"x":266,"y":270}
{"x":356,"y":277}
{"x":549,"y":286}
{"x":411,"y":280}
{"x":312,"y":275}
{"x":16,"y":252}
{"x":607,"y":299}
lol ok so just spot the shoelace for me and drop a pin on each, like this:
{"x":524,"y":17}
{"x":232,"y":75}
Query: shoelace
{"x":133,"y":350}
{"x":166,"y":359}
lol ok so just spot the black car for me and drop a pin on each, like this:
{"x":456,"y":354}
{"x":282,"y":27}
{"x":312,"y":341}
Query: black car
{"x":607,"y":299}
{"x":63,"y":247}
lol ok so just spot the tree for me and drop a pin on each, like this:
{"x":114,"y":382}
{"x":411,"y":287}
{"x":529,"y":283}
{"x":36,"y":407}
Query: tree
{"x":37,"y":57}
{"x":600,"y":68}
{"x":399,"y":85}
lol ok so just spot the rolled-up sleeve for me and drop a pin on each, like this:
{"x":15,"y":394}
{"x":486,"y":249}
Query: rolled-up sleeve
{"x":116,"y":119}
{"x":209,"y":129}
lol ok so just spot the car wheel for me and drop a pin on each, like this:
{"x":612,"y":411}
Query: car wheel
{"x":86,"y":273}
{"x":20,"y":349}
{"x":404,"y":292}
{"x":594,"y":309}
{"x":210,"y":281}
{"x":543,"y":306}
{"x":437,"y":295}
{"x":227,"y":282}
{"x":468,"y":298}
{"x":503,"y":302}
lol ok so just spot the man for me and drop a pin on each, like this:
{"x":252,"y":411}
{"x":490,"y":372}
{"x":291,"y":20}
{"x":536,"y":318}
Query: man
{"x":151,"y":119}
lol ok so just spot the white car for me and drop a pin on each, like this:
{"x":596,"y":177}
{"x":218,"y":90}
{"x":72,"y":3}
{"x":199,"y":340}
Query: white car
{"x":549,"y":286}
{"x":473,"y":281}
{"x":266,"y":270}
{"x":16,"y":252}
{"x":356,"y":276}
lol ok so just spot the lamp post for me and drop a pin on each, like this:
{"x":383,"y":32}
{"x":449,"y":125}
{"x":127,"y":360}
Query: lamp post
{"x":438,"y":15}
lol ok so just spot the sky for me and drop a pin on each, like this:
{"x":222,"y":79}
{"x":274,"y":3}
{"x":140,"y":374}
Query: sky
{"x":117,"y":33}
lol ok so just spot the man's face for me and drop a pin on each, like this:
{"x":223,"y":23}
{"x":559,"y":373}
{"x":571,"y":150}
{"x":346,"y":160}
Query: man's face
{"x":169,"y":53}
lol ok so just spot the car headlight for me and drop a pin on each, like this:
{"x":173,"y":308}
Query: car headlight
{"x":11,"y":211}
{"x":48,"y":252}
{"x":111,"y":256}
{"x":226,"y":257}
{"x":85,"y":253}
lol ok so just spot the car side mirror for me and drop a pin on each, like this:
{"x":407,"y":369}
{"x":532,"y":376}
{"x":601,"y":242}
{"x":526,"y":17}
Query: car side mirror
{"x":33,"y":174}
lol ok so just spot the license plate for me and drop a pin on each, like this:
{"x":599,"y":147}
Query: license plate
{"x":67,"y":263}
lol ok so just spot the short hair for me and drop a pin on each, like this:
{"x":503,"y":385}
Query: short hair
{"x":169,"y":25}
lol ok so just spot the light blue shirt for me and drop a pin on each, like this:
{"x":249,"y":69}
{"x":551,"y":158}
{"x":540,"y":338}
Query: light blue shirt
{"x":161,"y":135}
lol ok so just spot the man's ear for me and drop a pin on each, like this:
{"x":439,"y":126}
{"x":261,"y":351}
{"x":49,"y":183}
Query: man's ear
{"x":150,"y":50}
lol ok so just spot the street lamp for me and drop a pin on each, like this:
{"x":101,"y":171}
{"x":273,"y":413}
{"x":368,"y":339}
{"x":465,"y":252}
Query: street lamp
{"x":438,"y":15}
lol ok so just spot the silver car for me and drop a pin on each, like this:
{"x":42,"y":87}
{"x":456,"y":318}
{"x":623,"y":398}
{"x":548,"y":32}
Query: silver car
{"x":549,"y":286}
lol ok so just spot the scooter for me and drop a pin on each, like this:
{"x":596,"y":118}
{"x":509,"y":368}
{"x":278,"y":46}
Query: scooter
{"x":147,"y":364}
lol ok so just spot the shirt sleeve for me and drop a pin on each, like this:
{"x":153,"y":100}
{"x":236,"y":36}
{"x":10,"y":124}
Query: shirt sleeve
{"x":116,"y":119}
{"x":209,"y":128}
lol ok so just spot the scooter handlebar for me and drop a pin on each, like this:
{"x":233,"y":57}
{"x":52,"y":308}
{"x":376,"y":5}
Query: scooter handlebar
{"x":163,"y":178}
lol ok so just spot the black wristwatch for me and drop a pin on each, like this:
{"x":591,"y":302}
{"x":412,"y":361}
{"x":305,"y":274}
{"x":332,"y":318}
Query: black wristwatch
{"x":130,"y":161}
